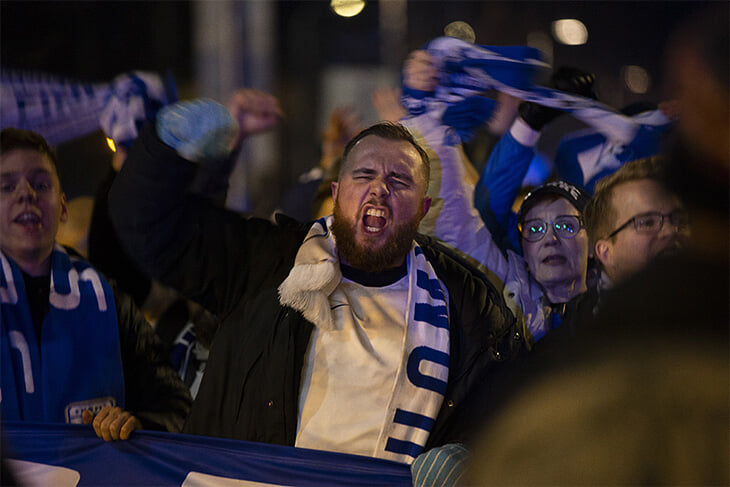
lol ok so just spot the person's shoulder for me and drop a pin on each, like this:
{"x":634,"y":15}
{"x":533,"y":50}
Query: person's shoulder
{"x":72,"y":252}
{"x":291,"y":229}
{"x":126,"y":310}
{"x":451,"y":263}
{"x":81,"y":262}
{"x":439,"y":252}
{"x":121,"y":297}
{"x":292,"y":224}
{"x":685,"y":294}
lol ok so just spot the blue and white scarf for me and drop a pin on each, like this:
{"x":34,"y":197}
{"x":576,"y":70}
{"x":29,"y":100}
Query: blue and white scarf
{"x":586,"y":156}
{"x":62,"y":109}
{"x":78,"y":364}
{"x":423,"y":374}
{"x":468,"y":70}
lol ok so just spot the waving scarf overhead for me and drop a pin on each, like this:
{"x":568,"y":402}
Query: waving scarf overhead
{"x":586,"y":156}
{"x":61,"y":109}
{"x":470,"y":70}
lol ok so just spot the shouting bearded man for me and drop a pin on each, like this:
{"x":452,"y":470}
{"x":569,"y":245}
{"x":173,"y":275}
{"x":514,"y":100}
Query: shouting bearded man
{"x":352,"y":334}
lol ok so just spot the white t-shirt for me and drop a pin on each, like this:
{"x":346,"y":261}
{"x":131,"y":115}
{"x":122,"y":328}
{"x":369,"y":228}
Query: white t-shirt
{"x":361,"y":360}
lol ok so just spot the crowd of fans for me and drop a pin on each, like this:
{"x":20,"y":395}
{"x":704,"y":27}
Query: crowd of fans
{"x":407,"y":303}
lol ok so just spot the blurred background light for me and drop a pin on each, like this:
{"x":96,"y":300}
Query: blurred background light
{"x":460,"y":30}
{"x":347,"y":8}
{"x":637,"y":79}
{"x":571,"y":32}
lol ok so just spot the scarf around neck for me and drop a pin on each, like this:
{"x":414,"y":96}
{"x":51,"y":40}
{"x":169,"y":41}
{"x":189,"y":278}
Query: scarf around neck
{"x":423,"y":374}
{"x":77,"y":364}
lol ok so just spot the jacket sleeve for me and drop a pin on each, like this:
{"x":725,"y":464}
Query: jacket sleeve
{"x":456,"y":222}
{"x":452,"y":216}
{"x":501,"y":180}
{"x":154,"y":392}
{"x":105,"y":250}
{"x":209,"y":254}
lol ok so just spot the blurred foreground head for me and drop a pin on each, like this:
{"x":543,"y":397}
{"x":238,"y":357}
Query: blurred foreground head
{"x":619,"y":418}
{"x":697,"y":71}
{"x":699,"y":169}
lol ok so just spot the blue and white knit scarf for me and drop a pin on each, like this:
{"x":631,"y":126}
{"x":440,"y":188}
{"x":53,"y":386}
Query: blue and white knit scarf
{"x":78,"y":363}
{"x":468,"y":70}
{"x":62,"y":109}
{"x":422,"y":376}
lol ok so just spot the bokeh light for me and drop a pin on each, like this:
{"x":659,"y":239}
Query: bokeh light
{"x":347,"y":8}
{"x":460,"y":30}
{"x":637,"y":79}
{"x":571,"y":32}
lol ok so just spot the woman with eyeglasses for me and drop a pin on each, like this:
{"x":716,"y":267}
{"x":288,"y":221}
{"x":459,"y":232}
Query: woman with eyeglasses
{"x":555,"y":247}
{"x":546,"y":282}
{"x":547,"y":286}
{"x":547,"y":277}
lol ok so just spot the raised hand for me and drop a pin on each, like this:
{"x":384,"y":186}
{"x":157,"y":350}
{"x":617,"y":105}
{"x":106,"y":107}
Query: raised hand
{"x":419,"y":71}
{"x":255,"y":111}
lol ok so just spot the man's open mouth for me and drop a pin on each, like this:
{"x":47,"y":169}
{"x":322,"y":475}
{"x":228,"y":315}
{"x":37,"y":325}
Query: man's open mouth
{"x":374,"y":220}
{"x":27,"y":219}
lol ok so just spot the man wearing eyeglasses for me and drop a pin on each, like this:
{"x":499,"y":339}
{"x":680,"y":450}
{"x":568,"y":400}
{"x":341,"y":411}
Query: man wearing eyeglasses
{"x":633,"y":218}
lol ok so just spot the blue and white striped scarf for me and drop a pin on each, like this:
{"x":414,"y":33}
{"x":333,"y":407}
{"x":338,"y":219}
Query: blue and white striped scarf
{"x":423,"y":374}
{"x":62,"y":109}
{"x":468,"y":70}
{"x":77,"y":364}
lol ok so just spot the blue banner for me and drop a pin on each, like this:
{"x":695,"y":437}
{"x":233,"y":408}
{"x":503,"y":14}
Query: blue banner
{"x":72,"y":455}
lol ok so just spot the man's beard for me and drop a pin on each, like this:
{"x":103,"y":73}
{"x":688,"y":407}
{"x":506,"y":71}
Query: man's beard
{"x":367,"y":259}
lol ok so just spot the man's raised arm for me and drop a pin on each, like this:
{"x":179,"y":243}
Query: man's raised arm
{"x":186,"y":241}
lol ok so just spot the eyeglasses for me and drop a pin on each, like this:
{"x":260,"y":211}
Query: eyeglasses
{"x":565,"y":226}
{"x":651,"y":222}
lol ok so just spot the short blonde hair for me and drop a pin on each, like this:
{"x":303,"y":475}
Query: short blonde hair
{"x":599,"y":214}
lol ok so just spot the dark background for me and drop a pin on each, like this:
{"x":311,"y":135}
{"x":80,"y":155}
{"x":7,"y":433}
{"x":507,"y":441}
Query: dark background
{"x":94,"y":41}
